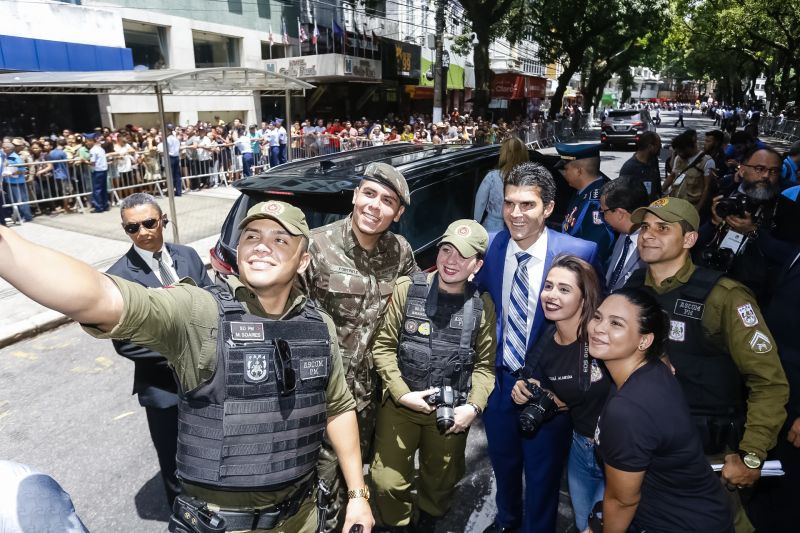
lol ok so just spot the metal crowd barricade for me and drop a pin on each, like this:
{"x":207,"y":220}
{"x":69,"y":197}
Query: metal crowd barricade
{"x":788,"y":130}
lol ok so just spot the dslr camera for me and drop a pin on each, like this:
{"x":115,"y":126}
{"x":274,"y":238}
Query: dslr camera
{"x":736,"y":205}
{"x":540,"y":408}
{"x":444,"y":401}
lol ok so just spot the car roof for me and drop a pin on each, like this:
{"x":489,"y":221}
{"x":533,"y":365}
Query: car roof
{"x":623,"y":112}
{"x":344,"y":170}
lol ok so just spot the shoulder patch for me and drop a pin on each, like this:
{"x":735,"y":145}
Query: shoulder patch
{"x":595,"y":194}
{"x":597,"y":218}
{"x":760,"y":343}
{"x":748,"y":316}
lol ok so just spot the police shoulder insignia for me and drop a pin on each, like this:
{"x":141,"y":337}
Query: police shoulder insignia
{"x":760,"y":343}
{"x":748,"y":316}
{"x":677,"y":330}
{"x":411,"y":326}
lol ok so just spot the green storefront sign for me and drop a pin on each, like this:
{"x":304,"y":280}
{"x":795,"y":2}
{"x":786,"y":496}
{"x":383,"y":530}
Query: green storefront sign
{"x":455,"y":75}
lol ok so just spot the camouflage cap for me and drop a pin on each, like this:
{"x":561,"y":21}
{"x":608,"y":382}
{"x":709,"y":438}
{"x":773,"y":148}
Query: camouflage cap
{"x":467,"y":236}
{"x":291,"y":218}
{"x":389,"y":176}
{"x":669,"y":209}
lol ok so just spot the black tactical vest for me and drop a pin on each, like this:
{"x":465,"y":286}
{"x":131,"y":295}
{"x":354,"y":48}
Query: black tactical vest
{"x":437,"y":340}
{"x":237,"y":431}
{"x":710,"y":379}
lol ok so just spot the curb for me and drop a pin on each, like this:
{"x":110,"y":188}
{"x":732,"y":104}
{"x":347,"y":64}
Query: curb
{"x":30,"y":327}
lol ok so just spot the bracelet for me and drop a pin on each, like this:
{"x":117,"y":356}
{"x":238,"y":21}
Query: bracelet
{"x":477,"y":409}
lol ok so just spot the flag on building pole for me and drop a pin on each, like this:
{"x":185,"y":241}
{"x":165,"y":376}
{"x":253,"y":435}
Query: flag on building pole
{"x":315,"y":37}
{"x":372,"y":40}
{"x":359,"y":39}
{"x":338,"y":32}
{"x":285,"y":32}
{"x":270,"y":40}
{"x":301,"y":37}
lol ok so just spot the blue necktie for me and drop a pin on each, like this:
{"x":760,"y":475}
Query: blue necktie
{"x":516,"y":337}
{"x":618,"y":269}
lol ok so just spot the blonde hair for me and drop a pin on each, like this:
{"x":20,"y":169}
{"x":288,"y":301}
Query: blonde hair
{"x":512,"y":153}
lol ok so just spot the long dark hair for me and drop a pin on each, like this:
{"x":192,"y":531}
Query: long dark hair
{"x":652,"y":319}
{"x":589,"y":285}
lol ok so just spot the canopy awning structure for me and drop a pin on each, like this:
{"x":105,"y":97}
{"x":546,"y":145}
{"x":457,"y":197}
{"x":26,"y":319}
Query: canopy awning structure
{"x":221,"y":81}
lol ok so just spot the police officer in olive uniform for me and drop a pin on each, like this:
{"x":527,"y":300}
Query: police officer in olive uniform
{"x":260,"y":380}
{"x":724,"y":356}
{"x":435,"y":354}
{"x":580,"y":164}
{"x":354,"y":265}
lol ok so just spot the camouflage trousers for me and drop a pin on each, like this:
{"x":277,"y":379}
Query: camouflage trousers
{"x":330,"y":475}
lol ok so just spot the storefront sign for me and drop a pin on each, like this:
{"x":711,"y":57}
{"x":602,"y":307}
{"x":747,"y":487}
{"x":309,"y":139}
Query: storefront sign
{"x":508,"y":86}
{"x":400,"y":60}
{"x":327,"y":66}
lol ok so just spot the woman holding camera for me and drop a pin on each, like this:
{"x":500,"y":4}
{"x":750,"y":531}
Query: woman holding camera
{"x":569,"y":297}
{"x":435,"y":355}
{"x":657,"y":478}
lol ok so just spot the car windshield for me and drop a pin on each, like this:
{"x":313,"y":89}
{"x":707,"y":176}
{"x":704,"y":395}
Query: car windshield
{"x":622,"y":115}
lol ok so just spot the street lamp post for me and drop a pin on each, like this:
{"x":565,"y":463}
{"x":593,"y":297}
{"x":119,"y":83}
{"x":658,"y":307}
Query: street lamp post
{"x":445,"y":68}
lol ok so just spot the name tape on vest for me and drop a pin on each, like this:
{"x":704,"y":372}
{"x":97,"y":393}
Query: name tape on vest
{"x":314,"y":368}
{"x":247,"y":331}
{"x":689,"y":309}
{"x":416,"y":310}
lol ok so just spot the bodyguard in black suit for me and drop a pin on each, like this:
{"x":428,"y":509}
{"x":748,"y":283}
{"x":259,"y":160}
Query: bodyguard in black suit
{"x":153,"y":263}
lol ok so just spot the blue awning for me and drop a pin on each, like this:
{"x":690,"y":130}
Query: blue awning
{"x":21,"y":53}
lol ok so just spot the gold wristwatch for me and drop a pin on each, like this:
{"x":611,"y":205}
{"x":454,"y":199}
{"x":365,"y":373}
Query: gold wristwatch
{"x":358,"y":493}
{"x":751,"y":460}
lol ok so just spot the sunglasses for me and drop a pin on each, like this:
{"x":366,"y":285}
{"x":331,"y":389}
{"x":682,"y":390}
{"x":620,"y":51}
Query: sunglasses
{"x":284,"y":373}
{"x":133,"y":227}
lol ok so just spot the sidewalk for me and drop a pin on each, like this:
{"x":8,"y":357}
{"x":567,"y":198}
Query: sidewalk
{"x":98,"y":239}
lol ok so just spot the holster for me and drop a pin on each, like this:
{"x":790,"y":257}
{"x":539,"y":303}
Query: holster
{"x":190,"y":515}
{"x":719,"y":433}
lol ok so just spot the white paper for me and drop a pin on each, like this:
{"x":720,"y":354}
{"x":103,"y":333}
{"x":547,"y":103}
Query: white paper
{"x":769,"y":469}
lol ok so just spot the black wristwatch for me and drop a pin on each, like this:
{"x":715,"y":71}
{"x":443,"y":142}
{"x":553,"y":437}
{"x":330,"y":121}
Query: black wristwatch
{"x":751,"y":460}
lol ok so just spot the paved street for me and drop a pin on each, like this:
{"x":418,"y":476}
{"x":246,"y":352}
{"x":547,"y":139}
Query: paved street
{"x":66,"y":408}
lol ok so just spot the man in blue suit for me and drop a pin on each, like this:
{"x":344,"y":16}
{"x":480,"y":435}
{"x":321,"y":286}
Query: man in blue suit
{"x":153,"y":263}
{"x":513,"y":273}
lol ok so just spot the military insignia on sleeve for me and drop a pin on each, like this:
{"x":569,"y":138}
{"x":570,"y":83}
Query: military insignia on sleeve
{"x":597,"y":218}
{"x":255,"y":365}
{"x":411,"y":326}
{"x":760,"y":343}
{"x":424,"y":328}
{"x":748,"y":316}
{"x":677,"y":330}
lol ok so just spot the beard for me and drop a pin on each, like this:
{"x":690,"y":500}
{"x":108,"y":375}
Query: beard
{"x":761,"y":191}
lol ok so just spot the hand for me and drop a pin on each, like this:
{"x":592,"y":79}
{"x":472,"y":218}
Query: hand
{"x":735,"y":473}
{"x":794,"y":433}
{"x":520,"y":393}
{"x":416,"y":400}
{"x":732,"y":163}
{"x":714,"y":217}
{"x":358,"y":512}
{"x":464,"y":415}
{"x":743,"y":225}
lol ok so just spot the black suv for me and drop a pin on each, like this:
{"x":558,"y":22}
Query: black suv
{"x":442,"y":180}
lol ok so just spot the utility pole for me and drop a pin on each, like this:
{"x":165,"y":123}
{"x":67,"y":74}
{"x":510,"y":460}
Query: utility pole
{"x":438,"y":79}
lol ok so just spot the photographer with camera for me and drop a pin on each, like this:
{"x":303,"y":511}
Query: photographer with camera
{"x":749,"y":227}
{"x":570,"y":295}
{"x":719,"y":344}
{"x":692,"y":172}
{"x":435,"y":353}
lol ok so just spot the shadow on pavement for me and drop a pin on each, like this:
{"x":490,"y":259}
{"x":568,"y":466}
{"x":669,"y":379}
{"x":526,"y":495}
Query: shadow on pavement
{"x":151,"y":503}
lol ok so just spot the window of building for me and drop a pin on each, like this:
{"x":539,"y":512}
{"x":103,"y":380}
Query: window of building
{"x":264,"y":11}
{"x":214,"y":50}
{"x":148,"y":43}
{"x":235,"y":6}
{"x":278,"y":51}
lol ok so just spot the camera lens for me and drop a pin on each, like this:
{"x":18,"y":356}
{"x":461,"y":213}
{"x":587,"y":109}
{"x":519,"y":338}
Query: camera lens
{"x":445,"y":418}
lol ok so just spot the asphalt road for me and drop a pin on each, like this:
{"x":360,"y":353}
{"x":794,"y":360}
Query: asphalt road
{"x":66,"y":409}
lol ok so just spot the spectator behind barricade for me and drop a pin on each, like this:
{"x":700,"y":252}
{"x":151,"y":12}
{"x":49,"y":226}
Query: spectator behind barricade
{"x":242,"y":143}
{"x":14,"y":180}
{"x":41,"y":179}
{"x":124,"y":155}
{"x":407,"y":135}
{"x":376,"y":136}
{"x":489,"y":198}
{"x":393,"y":137}
{"x":643,"y":166}
{"x":657,"y":478}
{"x":61,"y":186}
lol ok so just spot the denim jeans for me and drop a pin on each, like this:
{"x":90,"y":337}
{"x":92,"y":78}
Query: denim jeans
{"x":586,"y":480}
{"x":100,"y":190}
{"x":247,"y":164}
{"x":18,"y":193}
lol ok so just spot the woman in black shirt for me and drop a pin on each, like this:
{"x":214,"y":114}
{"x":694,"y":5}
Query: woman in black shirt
{"x":657,"y":478}
{"x":569,"y":297}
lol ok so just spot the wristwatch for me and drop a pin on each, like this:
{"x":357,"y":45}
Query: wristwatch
{"x":477,"y":409}
{"x":751,"y":460}
{"x":358,"y":493}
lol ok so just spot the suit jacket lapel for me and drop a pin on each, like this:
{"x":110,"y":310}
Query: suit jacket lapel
{"x":141,"y":271}
{"x":180,"y":266}
{"x":615,"y":255}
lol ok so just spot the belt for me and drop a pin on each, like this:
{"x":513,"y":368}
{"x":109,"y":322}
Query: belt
{"x":269,"y":517}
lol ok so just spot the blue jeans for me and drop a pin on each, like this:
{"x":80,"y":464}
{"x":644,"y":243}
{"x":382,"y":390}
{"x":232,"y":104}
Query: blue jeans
{"x":585,"y":477}
{"x":100,"y":190}
{"x":175,"y":166}
{"x":274,"y":156}
{"x":247,"y":164}
{"x":283,"y":157}
{"x":18,"y":193}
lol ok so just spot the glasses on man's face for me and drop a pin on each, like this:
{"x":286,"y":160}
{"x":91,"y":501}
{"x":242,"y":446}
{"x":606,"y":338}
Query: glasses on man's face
{"x":773,"y":172}
{"x":133,"y":227}
{"x":604,"y":211}
{"x":284,"y":373}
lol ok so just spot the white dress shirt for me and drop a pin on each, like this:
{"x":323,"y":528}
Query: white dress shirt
{"x":538,"y":252}
{"x":632,"y":248}
{"x":153,"y":264}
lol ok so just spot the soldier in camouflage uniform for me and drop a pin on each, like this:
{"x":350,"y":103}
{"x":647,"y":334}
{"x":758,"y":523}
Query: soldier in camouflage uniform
{"x":354,"y":265}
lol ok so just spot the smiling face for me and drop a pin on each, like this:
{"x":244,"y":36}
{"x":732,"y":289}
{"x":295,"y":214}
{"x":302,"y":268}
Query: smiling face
{"x":524,"y":213}
{"x":268,"y":256}
{"x":614,"y":331}
{"x":455,"y":269}
{"x":375,"y":207}
{"x":561,"y":296}
{"x":663,"y":242}
{"x":151,"y":240}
